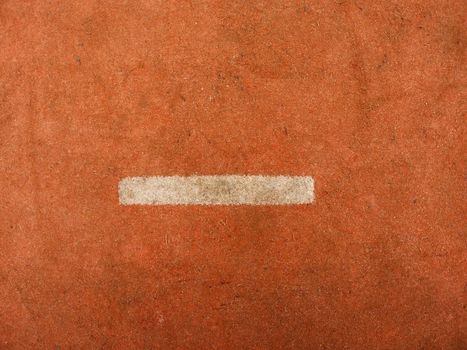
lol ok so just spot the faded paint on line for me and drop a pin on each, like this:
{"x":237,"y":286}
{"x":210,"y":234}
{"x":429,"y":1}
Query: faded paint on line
{"x":216,"y":190}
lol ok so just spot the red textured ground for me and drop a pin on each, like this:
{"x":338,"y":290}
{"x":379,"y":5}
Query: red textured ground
{"x":366,"y":96}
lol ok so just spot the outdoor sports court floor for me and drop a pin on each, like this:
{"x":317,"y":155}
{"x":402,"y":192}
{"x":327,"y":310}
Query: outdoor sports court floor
{"x":201,"y":174}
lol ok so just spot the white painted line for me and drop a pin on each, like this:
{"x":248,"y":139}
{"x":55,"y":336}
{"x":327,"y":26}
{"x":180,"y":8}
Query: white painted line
{"x":216,"y":190}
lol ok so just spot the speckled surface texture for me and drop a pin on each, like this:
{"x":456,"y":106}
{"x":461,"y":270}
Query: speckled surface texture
{"x":368,"y":97}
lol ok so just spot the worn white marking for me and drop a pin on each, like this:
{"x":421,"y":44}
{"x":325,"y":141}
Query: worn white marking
{"x":216,"y":190}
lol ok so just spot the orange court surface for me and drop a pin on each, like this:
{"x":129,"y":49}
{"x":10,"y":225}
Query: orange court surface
{"x":305,"y":164}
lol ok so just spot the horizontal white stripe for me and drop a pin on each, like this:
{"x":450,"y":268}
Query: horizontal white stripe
{"x":216,"y":190}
